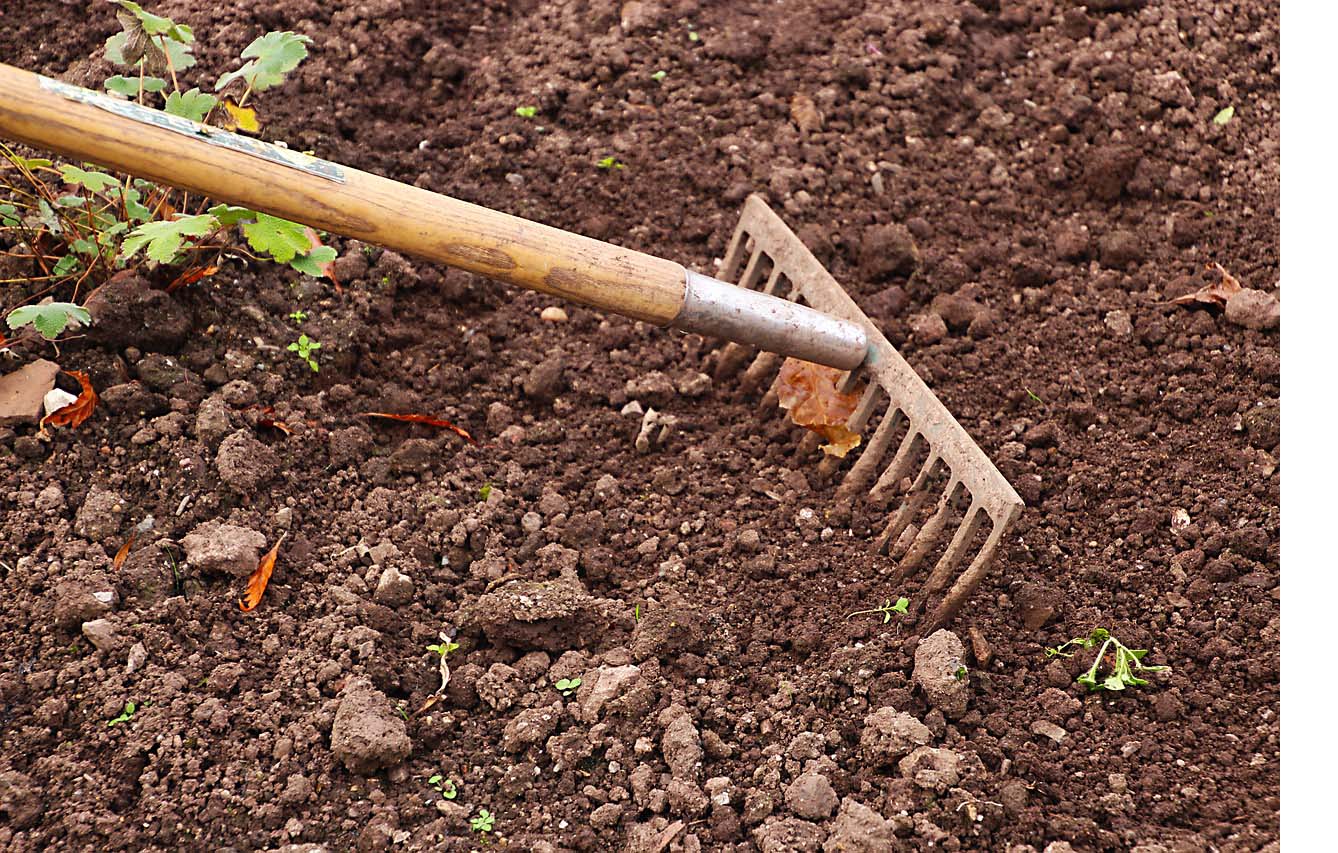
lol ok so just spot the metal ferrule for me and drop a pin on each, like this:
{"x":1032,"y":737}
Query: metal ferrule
{"x":723,"y":310}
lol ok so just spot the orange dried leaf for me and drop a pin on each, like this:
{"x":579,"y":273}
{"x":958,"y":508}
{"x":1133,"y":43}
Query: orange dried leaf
{"x":239,"y":118}
{"x":424,"y":419}
{"x":808,"y":392}
{"x":255,"y":587}
{"x":1216,"y":293}
{"x":191,"y":276}
{"x":77,"y":412}
{"x":119,"y":559}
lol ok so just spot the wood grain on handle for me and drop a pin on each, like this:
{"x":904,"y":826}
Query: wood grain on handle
{"x":363,"y":206}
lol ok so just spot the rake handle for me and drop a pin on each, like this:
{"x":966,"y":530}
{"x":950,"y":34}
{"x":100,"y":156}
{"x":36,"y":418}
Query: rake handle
{"x":363,"y":206}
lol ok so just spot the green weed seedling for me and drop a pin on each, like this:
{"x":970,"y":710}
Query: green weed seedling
{"x":444,"y":786}
{"x":610,"y":163}
{"x":567,"y":686}
{"x":124,"y":716}
{"x":527,"y":112}
{"x":444,"y":648}
{"x":305,"y":347}
{"x":485,"y":491}
{"x":482,"y":823}
{"x":659,"y":76}
{"x":887,"y":609}
{"x":298,"y":316}
{"x":50,"y":319}
{"x":1126,"y":661}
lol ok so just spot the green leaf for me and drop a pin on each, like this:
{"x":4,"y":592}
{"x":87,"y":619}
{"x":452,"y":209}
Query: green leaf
{"x":157,"y":25}
{"x":229,"y":215}
{"x":1224,"y":116}
{"x":659,"y":76}
{"x":50,"y":319}
{"x":70,"y":201}
{"x":135,"y":210}
{"x":66,"y":265}
{"x":9,"y":216}
{"x":84,"y":247}
{"x":271,"y":57}
{"x":92,"y":181}
{"x":900,"y":606}
{"x":165,"y":238}
{"x":279,"y":238}
{"x":527,"y":112}
{"x":311,"y":262}
{"x":179,"y":54}
{"x":114,"y":49}
{"x":129,"y":86}
{"x":194,"y":105}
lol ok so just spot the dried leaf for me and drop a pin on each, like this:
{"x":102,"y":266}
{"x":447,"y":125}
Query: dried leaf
{"x":77,"y":412}
{"x":191,"y":276}
{"x":327,"y":268}
{"x":424,"y":419}
{"x":255,"y":587}
{"x":119,"y":559}
{"x":809,"y":392}
{"x":239,"y":118}
{"x":1216,"y":293}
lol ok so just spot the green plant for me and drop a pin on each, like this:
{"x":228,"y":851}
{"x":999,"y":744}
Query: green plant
{"x":124,"y":716}
{"x":444,"y":648}
{"x":50,"y":319}
{"x":1121,"y":666}
{"x":887,"y":609}
{"x":484,"y":491}
{"x":444,"y":786}
{"x":1224,"y":115}
{"x":305,"y":347}
{"x":567,"y":686}
{"x":527,"y":112}
{"x":960,"y":673}
{"x":610,"y":163}
{"x":659,"y":76}
{"x":298,"y":316}
{"x":72,"y":222}
{"x":482,"y":822}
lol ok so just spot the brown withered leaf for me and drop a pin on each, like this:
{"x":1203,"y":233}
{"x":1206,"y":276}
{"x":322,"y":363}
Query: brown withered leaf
{"x":426,"y":420}
{"x":255,"y":587}
{"x":77,"y":412}
{"x":808,"y":392}
{"x":1216,"y":293}
{"x":328,"y":268}
{"x":191,"y":276}
{"x":124,"y":551}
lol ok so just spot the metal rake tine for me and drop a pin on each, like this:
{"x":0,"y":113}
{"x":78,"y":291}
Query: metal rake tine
{"x":901,"y":463}
{"x":929,"y":533}
{"x":858,"y":419}
{"x":862,"y":471}
{"x":966,"y":531}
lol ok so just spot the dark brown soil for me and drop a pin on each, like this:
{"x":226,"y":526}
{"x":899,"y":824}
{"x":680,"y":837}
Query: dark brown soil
{"x":1057,"y":165}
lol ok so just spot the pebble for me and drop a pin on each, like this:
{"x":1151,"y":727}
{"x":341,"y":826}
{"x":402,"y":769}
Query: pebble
{"x":367,"y":735}
{"x":1254,"y":309}
{"x":553,"y":314}
{"x":394,"y":589}
{"x":1045,"y":728}
{"x":102,"y":634}
{"x":811,"y":797}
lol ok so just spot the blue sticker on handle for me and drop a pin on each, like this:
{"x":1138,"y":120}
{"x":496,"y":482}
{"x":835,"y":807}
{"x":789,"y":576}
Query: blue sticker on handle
{"x":212,"y":135}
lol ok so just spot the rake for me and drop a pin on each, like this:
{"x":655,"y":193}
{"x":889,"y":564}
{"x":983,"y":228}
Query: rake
{"x":949,"y":497}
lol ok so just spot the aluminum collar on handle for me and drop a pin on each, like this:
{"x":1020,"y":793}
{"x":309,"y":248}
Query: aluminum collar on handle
{"x":723,"y":310}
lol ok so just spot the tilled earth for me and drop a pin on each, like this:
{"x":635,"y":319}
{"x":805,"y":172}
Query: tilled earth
{"x":1014,"y":190}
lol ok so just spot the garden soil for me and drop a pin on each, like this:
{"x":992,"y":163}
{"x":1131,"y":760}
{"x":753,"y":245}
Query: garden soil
{"x":1014,"y":190}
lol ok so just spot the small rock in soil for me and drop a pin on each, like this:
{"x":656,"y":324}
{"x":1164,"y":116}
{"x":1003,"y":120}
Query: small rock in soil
{"x":938,"y":658}
{"x":530,"y":727}
{"x":1072,"y":241}
{"x":888,"y":250}
{"x":680,"y":743}
{"x":21,"y":392}
{"x":1036,"y":604}
{"x":131,"y":398}
{"x":367,"y":734}
{"x":394,"y":589}
{"x":544,"y":382}
{"x":932,"y":769}
{"x":927,"y":329}
{"x":100,"y":516}
{"x":811,"y":796}
{"x":652,"y":387}
{"x":82,"y":600}
{"x":1109,"y":170}
{"x":213,"y":420}
{"x":788,"y":835}
{"x":102,"y":634}
{"x":1045,"y":728}
{"x":1254,"y":309}
{"x":957,"y":311}
{"x":553,"y":314}
{"x":226,"y":548}
{"x":859,"y":829}
{"x":601,"y":686}
{"x":128,"y":312}
{"x":552,"y":616}
{"x":889,"y":734}
{"x":1119,"y":324}
{"x":244,"y":463}
{"x":1121,"y":250}
{"x":1057,"y":704}
{"x":500,"y":686}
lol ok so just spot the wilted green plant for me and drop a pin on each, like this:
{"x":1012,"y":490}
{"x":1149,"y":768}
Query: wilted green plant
{"x":1122,"y":665}
{"x":886,"y":610}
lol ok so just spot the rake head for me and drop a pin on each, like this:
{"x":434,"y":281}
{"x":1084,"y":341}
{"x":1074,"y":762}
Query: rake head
{"x":953,"y":502}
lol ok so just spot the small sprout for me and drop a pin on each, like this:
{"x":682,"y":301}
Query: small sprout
{"x":887,"y":609}
{"x":298,"y":316}
{"x":692,"y":36}
{"x":527,"y":112}
{"x":444,"y":648}
{"x":610,"y":163}
{"x":444,"y":786}
{"x":305,"y":347}
{"x":485,"y":491}
{"x":1223,"y":116}
{"x":567,"y":686}
{"x":124,"y":716}
{"x":50,"y":319}
{"x":636,"y":612}
{"x":1122,"y":666}
{"x":659,"y":76}
{"x":960,"y":673}
{"x":482,"y":822}
{"x":399,"y":709}
{"x":1033,"y":396}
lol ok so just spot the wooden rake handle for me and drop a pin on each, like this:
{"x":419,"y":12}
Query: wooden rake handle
{"x":91,"y":127}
